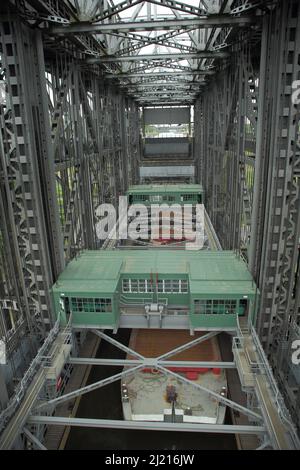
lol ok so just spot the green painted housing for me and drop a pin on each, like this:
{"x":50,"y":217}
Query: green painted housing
{"x":165,"y":194}
{"x":212,"y":288}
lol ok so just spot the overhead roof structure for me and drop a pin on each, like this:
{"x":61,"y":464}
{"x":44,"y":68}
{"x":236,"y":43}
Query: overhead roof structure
{"x":135,"y":40}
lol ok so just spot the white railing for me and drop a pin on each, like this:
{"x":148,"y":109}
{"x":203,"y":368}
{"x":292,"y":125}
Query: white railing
{"x":65,"y":338}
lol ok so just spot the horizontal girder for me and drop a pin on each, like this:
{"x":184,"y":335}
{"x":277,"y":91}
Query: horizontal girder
{"x":156,"y":25}
{"x":147,"y":425}
{"x":159,"y":86}
{"x":159,"y":74}
{"x":154,"y":57}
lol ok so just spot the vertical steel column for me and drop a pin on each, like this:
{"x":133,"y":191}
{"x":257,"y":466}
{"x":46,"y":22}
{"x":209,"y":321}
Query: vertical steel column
{"x":224,"y":115}
{"x":259,"y":149}
{"x":274,"y":254}
{"x":29,"y":159}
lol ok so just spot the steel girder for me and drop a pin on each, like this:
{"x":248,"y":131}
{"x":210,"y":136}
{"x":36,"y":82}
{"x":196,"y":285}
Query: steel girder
{"x":160,"y":363}
{"x":111,"y":11}
{"x":274,"y":253}
{"x":224,"y":116}
{"x":53,"y":173}
{"x":165,"y":74}
{"x":156,"y":25}
{"x":147,"y":57}
{"x":98,"y":30}
{"x":30,"y":207}
{"x":144,"y":86}
{"x":134,"y":362}
{"x":92,"y":165}
{"x":144,"y":425}
{"x":275,"y":193}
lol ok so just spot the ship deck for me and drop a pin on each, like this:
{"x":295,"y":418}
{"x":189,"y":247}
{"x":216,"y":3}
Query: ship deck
{"x":146,"y":390}
{"x":157,"y":342}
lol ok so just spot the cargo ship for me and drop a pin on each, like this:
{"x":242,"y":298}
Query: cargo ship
{"x":152,"y":395}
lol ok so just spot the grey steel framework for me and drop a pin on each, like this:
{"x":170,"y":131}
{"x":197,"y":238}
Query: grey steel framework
{"x":75,"y":79}
{"x":27,"y":416}
{"x":246,"y":124}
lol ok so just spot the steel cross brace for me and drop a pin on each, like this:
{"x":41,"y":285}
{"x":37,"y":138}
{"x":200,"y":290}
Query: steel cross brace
{"x":174,"y":4}
{"x":146,"y":425}
{"x":117,"y":344}
{"x":158,"y":25}
{"x":34,"y":439}
{"x":87,"y":389}
{"x":219,"y":397}
{"x":149,"y":362}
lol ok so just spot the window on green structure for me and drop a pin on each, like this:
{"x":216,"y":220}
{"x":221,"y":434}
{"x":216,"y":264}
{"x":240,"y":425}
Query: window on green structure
{"x":172,"y":286}
{"x":142,"y":285}
{"x":103,"y":305}
{"x":176,"y":286}
{"x":184,"y":286}
{"x":160,"y":286}
{"x":188,"y":197}
{"x":91,"y":304}
{"x":136,"y":286}
{"x":142,"y":197}
{"x":155,"y":198}
{"x":199,"y":306}
{"x":168,"y":286}
{"x":215,"y":306}
{"x":171,"y":198}
{"x":149,"y":285}
{"x":230,"y":306}
{"x":125,"y":286}
{"x":76,"y":304}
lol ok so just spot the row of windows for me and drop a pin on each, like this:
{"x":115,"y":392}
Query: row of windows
{"x":172,"y":286}
{"x":169,"y":198}
{"x":154,"y":198}
{"x":166,"y":286}
{"x":91,"y":304}
{"x":215,"y":306}
{"x":136,"y":285}
{"x":189,"y":197}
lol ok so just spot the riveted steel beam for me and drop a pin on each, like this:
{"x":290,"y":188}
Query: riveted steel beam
{"x":156,"y":25}
{"x":144,"y":425}
{"x":160,"y":74}
{"x":154,"y":57}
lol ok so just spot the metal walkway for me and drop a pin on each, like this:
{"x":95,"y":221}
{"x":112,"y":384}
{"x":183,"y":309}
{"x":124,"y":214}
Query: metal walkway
{"x":257,"y":379}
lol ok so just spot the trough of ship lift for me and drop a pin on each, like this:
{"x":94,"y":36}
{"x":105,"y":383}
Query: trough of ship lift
{"x":151,"y":395}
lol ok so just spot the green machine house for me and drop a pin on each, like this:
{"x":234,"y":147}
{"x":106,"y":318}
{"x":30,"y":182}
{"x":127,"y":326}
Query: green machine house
{"x":158,"y":289}
{"x":165,"y":194}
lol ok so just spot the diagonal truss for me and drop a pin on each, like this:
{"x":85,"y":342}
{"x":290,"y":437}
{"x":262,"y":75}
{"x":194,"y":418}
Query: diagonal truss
{"x":125,"y":5}
{"x":133,"y":36}
{"x":141,"y":362}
